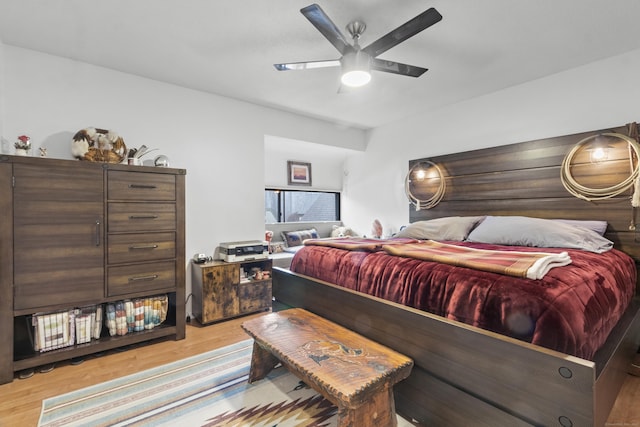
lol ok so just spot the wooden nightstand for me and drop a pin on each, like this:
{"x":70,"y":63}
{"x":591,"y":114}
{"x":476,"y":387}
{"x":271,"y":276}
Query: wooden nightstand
{"x":221,"y":290}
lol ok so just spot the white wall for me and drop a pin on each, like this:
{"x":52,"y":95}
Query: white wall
{"x":219,"y":141}
{"x":327,"y":163}
{"x":596,"y":96}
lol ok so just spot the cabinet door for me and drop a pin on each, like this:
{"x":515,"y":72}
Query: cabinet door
{"x":58,"y":235}
{"x":220,"y":292}
{"x":254,"y":296}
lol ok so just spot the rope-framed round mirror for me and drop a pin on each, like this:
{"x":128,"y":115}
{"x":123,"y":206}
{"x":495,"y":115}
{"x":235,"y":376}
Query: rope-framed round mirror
{"x":425,"y":185}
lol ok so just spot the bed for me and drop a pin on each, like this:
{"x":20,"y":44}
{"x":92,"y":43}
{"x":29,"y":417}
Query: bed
{"x":478,"y":373}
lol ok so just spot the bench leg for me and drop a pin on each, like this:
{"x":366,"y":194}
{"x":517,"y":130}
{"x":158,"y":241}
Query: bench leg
{"x":378,"y":411}
{"x":262,"y":362}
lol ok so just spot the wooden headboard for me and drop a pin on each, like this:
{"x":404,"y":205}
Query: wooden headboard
{"x":524,"y":179}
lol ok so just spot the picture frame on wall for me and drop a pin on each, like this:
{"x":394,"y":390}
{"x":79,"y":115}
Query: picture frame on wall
{"x":299,"y":173}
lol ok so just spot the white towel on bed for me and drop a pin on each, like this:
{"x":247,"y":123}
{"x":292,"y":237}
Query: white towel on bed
{"x":543,"y":265}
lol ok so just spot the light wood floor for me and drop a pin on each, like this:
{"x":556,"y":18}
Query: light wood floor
{"x":20,"y":401}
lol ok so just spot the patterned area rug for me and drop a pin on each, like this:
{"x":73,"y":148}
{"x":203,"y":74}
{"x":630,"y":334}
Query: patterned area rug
{"x":210,"y":389}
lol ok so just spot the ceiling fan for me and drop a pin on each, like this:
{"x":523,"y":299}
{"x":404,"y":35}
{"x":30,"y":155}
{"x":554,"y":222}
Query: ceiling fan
{"x":357,"y":62}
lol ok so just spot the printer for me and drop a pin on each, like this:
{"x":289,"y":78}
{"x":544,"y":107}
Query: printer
{"x":248,"y":250}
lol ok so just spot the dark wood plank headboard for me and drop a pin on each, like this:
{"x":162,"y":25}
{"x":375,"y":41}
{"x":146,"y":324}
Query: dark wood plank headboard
{"x":524,"y":179}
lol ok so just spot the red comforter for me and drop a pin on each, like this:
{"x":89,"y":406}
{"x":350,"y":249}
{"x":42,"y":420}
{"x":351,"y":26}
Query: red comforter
{"x":572,"y":309}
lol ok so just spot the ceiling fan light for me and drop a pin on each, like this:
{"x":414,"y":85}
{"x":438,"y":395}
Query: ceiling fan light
{"x":356,"y":78}
{"x":355,"y":69}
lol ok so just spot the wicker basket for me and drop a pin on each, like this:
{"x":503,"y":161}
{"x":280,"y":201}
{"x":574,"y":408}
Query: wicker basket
{"x":115,"y":153}
{"x":104,"y":156}
{"x":53,"y":330}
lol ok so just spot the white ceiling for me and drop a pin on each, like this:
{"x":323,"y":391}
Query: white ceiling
{"x":227,"y":47}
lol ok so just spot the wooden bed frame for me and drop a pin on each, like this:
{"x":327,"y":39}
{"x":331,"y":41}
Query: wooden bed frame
{"x":468,"y":376}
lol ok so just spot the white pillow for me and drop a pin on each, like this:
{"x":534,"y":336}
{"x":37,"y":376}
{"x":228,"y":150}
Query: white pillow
{"x":537,"y":232}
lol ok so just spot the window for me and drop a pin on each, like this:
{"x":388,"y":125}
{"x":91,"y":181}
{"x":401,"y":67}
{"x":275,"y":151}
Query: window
{"x":296,"y":205}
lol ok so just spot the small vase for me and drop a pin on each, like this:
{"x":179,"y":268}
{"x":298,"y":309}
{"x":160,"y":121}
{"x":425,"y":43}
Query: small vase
{"x":22,"y":152}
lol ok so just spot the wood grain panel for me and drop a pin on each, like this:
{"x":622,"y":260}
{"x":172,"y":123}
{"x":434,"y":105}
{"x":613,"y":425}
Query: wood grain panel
{"x":52,"y":183}
{"x":59,"y":227}
{"x":619,"y":213}
{"x":140,"y":247}
{"x":254,"y":296}
{"x":220,"y":294}
{"x":524,"y":179}
{"x":521,"y":155}
{"x":437,"y":408}
{"x":520,"y":184}
{"x":138,"y":217}
{"x":136,"y":278}
{"x":180,"y":305}
{"x":6,"y":273}
{"x":141,"y":186}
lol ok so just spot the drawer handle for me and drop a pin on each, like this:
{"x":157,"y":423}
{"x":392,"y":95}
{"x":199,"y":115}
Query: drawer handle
{"x":143,"y":247}
{"x":143,"y":216}
{"x":148,"y":186}
{"x":143,"y":278}
{"x":97,"y":232}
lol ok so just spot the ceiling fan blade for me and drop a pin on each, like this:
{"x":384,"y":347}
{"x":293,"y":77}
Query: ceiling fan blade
{"x":403,"y":32}
{"x":397,"y":68}
{"x":323,"y":23}
{"x":307,"y":65}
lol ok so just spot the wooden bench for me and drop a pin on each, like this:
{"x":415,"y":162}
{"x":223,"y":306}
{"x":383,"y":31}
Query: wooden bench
{"x":354,"y":373}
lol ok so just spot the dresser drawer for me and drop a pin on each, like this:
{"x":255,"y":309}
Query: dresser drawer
{"x":134,"y":217}
{"x":141,"y":247}
{"x":124,"y":185}
{"x":155,"y":276}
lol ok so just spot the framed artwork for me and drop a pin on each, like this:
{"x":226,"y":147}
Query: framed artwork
{"x":299,"y":173}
